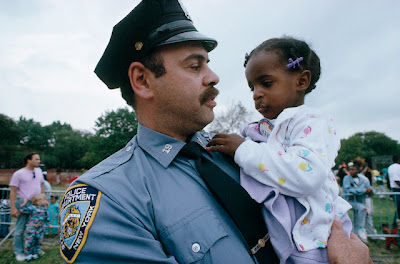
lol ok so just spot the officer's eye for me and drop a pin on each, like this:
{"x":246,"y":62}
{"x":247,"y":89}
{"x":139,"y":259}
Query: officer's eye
{"x":251,"y":87}
{"x":195,"y":67}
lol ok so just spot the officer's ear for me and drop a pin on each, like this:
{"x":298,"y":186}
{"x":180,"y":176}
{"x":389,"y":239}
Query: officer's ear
{"x":138,"y":77}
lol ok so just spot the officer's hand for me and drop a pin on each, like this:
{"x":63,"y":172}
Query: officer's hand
{"x":344,"y":250}
{"x":226,"y":143}
{"x":14,"y":212}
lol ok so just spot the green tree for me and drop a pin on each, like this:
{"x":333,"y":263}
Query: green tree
{"x":67,"y":149}
{"x":32,"y":134}
{"x":367,"y":145}
{"x":9,"y":141}
{"x":113,"y":131}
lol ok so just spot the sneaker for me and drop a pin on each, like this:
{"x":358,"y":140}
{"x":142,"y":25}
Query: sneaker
{"x":20,"y":257}
{"x":41,"y":252}
{"x":362,"y":234}
{"x":28,"y":258}
{"x":35,"y":256}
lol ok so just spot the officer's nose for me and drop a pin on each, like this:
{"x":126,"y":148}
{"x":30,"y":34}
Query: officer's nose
{"x":211,"y":78}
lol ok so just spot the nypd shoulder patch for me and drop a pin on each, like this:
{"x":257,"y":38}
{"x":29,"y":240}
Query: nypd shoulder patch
{"x":78,"y":209}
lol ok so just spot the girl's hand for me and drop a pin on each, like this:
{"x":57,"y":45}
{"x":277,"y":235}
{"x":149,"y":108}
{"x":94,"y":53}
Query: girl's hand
{"x":225,"y":143}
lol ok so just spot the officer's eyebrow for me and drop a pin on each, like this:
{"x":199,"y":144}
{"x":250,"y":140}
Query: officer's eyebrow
{"x":199,"y":57}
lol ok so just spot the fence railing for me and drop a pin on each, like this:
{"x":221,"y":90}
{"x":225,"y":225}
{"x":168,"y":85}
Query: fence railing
{"x":381,"y":211}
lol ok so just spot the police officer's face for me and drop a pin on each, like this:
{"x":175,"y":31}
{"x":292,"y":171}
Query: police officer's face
{"x":185,"y":93}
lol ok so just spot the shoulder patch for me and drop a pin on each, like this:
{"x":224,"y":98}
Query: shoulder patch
{"x":78,"y":209}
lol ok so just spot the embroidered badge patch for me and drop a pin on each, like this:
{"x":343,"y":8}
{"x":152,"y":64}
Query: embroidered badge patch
{"x":78,"y":209}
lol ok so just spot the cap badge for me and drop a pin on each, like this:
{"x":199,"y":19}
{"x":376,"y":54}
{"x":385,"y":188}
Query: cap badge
{"x":138,"y":45}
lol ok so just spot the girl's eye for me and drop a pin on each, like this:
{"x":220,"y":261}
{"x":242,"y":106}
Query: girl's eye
{"x":266,"y":83}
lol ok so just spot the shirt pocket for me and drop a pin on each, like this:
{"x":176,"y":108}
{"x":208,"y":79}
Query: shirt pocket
{"x":191,"y":238}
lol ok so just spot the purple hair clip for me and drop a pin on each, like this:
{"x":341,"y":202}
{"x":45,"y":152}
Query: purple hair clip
{"x":293,"y":63}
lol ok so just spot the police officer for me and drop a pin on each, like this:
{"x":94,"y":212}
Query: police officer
{"x":146,"y":203}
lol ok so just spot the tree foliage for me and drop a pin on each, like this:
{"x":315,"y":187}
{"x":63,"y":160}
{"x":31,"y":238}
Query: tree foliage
{"x":367,"y":145}
{"x":114,"y":129}
{"x":62,"y":146}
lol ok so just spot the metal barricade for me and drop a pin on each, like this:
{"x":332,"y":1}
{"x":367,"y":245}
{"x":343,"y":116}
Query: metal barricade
{"x":381,"y":211}
{"x":7,"y":222}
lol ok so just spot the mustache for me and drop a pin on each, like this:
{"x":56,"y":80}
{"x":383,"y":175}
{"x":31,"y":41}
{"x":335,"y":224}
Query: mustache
{"x":210,"y":93}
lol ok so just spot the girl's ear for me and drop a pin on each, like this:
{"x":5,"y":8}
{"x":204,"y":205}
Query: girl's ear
{"x":138,"y":77}
{"x":303,"y":80}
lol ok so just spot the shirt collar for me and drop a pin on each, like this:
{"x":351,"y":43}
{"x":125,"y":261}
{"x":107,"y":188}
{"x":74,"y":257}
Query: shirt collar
{"x":161,"y":147}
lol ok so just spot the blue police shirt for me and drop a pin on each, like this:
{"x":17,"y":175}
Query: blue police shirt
{"x":152,"y":207}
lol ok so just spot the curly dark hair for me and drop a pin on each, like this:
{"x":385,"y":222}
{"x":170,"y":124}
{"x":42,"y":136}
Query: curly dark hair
{"x":289,"y":47}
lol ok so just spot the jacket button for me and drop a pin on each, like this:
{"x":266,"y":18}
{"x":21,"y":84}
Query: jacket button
{"x":195,"y":247}
{"x":128,"y":148}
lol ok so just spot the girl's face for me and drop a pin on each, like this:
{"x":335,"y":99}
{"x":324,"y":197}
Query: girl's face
{"x":274,"y":88}
{"x":42,"y":201}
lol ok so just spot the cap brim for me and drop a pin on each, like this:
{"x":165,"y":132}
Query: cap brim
{"x":208,"y":43}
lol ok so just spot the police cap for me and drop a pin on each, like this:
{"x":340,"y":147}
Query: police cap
{"x":150,"y":24}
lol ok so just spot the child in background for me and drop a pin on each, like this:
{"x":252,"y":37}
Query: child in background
{"x":39,"y":217}
{"x":287,"y":158}
{"x":390,"y":240}
{"x":54,"y":211}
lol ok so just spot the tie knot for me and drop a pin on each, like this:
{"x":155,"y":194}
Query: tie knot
{"x":191,"y":150}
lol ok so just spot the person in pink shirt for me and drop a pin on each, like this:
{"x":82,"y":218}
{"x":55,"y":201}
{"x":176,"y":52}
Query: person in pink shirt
{"x":24,"y":184}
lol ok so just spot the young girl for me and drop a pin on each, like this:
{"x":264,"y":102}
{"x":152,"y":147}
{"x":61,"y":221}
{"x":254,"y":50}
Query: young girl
{"x":35,"y":227}
{"x":286,"y":164}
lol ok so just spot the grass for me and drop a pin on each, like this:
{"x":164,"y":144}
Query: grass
{"x":50,"y":246}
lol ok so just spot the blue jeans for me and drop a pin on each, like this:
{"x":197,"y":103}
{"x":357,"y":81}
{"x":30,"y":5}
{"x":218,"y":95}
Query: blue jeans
{"x":360,"y":214}
{"x":20,"y":226}
{"x":396,"y":200}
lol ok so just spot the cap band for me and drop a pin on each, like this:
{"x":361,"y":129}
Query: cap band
{"x":168,"y":30}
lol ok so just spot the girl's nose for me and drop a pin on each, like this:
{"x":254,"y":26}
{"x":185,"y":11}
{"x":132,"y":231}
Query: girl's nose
{"x":256,"y":93}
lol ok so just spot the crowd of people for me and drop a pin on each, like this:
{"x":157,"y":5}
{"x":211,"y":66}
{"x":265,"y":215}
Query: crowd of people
{"x":358,"y":183}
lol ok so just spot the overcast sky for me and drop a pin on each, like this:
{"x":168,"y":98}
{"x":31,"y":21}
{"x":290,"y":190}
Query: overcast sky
{"x":49,"y":49}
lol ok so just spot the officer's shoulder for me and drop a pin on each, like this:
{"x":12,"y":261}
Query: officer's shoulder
{"x":111,"y":163}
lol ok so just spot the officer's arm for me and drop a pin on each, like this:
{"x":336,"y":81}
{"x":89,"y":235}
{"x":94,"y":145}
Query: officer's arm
{"x":115,"y":236}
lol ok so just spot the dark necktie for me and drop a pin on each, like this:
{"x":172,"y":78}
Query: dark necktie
{"x":245,"y":212}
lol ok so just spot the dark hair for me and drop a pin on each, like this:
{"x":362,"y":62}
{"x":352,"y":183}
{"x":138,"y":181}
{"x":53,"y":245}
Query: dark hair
{"x":29,"y":157}
{"x":288,"y":47}
{"x":396,"y":158}
{"x":155,"y":64}
{"x":355,"y":166}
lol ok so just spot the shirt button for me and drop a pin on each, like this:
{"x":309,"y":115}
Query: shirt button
{"x":195,"y":247}
{"x":128,"y":148}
